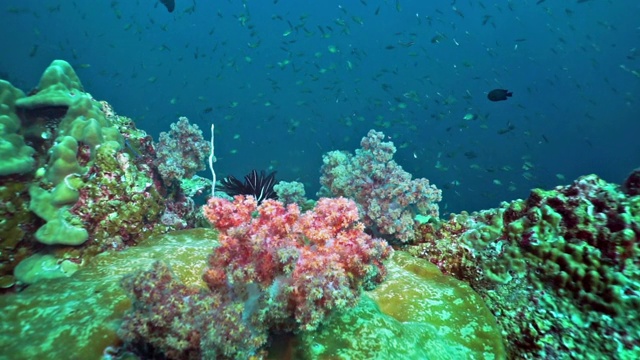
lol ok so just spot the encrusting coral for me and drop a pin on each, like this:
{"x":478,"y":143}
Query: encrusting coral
{"x":559,"y":269}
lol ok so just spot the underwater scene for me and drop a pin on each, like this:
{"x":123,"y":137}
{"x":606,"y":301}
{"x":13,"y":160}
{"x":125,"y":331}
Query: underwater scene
{"x":357,"y":179}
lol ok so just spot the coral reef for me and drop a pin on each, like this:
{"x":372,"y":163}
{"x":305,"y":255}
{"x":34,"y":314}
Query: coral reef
{"x":79,"y":128}
{"x":87,"y":269}
{"x":387,"y":196}
{"x":559,"y":270}
{"x":79,"y":316}
{"x":278,"y":271}
{"x":290,"y":192}
{"x":76,"y":176}
{"x":170,"y":320}
{"x":181,"y":152}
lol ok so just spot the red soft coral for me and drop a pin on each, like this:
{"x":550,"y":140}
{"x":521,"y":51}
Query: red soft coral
{"x":312,"y":263}
{"x":225,"y":214}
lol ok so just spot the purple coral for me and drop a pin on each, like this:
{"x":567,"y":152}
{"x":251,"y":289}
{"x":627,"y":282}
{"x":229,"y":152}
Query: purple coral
{"x":169,"y":331}
{"x":387,"y":195}
{"x":181,"y":152}
{"x":170,"y":320}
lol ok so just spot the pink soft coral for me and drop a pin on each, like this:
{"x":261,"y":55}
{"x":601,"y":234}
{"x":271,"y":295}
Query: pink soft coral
{"x":305,"y":265}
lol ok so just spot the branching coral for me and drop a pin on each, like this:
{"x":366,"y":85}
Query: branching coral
{"x":386,"y":194}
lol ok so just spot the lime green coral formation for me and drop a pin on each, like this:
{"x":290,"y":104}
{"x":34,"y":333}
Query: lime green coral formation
{"x":59,"y":86}
{"x":560,"y":270}
{"x":61,"y":110}
{"x":44,"y":266}
{"x":17,"y":157}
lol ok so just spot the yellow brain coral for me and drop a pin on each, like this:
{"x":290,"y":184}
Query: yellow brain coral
{"x":417,"y":313}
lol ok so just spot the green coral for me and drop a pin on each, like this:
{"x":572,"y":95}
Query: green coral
{"x":59,"y":86}
{"x":86,"y":123}
{"x":38,"y":267}
{"x":17,"y":157}
{"x":62,"y":109}
{"x":61,"y":227}
{"x":416,"y":313}
{"x":59,"y":231}
{"x":63,"y":160}
{"x":195,"y":185}
{"x":292,"y":192}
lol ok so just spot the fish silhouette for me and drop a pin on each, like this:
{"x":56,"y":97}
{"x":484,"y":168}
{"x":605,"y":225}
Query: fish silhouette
{"x":499,"y":94}
{"x":169,"y":4}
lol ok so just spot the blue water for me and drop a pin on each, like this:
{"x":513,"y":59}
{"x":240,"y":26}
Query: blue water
{"x":282,"y":93}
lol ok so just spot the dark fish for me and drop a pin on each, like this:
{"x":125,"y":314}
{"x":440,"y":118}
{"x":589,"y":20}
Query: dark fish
{"x":169,"y":4}
{"x":34,"y":50}
{"x":499,"y":94}
{"x":470,"y":155}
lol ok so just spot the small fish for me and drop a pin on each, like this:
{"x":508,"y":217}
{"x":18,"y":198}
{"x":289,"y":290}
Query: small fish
{"x":470,"y":155}
{"x":34,"y":50}
{"x":169,"y":4}
{"x":437,"y":38}
{"x":499,"y":94}
{"x":510,"y":127}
